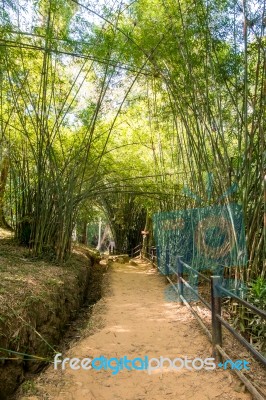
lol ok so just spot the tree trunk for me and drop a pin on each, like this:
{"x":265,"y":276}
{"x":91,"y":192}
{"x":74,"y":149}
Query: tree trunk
{"x":3,"y":181}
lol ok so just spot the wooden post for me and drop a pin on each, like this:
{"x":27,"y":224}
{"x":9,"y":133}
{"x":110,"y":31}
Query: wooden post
{"x":216,"y":310}
{"x":180,"y":269}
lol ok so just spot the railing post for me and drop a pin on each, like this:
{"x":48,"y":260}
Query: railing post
{"x":216,"y":304}
{"x":180,"y":269}
{"x":153,"y":250}
{"x":167,"y":261}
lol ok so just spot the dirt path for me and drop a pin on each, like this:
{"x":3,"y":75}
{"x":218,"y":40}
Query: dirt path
{"x":138,"y":322}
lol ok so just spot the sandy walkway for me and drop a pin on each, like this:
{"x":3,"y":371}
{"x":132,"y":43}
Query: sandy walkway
{"x":138,"y":322}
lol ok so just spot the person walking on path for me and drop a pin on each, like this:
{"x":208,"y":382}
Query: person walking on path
{"x":112,"y":247}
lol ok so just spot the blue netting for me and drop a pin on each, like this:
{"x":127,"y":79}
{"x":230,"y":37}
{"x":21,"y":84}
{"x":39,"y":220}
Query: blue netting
{"x":207,"y":238}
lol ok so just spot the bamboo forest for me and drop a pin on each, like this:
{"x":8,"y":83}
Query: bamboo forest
{"x":132,"y":199}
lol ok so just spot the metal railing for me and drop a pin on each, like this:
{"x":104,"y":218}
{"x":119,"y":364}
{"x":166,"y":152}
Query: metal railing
{"x":136,"y":250}
{"x":150,"y":255}
{"x":215,"y":307}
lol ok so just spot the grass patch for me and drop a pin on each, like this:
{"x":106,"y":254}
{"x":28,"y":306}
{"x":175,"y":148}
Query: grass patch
{"x":29,"y":388}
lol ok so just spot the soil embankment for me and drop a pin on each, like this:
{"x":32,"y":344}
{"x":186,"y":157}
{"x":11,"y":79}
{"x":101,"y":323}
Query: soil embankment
{"x":38,"y":300}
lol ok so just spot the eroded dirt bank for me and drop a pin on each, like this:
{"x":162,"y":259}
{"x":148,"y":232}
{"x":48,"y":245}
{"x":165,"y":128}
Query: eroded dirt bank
{"x":135,"y":320}
{"x":37,"y":301}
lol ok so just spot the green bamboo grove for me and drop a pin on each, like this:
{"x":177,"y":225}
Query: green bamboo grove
{"x":122,"y":107}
